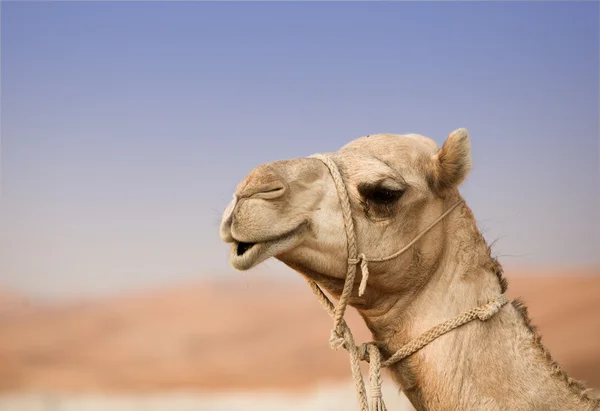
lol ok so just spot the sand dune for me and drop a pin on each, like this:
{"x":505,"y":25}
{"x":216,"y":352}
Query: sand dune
{"x":247,"y":335}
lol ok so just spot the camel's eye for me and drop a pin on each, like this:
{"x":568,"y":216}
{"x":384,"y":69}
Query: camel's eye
{"x":379,"y":195}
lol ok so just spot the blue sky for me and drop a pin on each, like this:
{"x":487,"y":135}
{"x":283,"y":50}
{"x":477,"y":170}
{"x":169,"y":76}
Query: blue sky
{"x":126,"y":126}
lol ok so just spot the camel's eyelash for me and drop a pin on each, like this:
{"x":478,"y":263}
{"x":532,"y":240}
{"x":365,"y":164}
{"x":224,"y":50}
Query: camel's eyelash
{"x":378,"y":201}
{"x":378,"y":194}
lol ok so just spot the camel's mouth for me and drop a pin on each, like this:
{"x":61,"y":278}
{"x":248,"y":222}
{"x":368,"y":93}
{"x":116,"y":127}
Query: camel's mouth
{"x":246,"y":255}
{"x":243,"y":247}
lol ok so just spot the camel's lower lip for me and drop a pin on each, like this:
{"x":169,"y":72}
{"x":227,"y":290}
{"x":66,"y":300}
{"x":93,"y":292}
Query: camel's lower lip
{"x":245,"y":255}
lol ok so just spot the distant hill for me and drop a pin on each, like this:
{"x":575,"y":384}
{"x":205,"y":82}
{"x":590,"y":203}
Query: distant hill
{"x":244,"y":335}
{"x":12,"y":302}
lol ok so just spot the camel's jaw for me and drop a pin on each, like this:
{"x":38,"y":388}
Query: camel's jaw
{"x":245,"y":255}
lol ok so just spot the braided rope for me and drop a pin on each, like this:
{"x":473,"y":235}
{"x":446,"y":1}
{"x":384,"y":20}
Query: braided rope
{"x":351,"y":239}
{"x":483,"y":313}
{"x":349,"y":345}
{"x":377,"y":403}
{"x":341,"y":335}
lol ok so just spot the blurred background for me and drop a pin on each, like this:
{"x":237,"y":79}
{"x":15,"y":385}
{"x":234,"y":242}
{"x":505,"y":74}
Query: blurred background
{"x":125,"y":127}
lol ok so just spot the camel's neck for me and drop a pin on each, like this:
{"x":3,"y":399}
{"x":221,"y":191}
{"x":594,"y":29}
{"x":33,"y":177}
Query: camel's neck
{"x":494,"y":365}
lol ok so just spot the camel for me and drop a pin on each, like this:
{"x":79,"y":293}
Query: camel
{"x":397,"y":185}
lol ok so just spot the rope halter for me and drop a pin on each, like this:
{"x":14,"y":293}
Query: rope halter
{"x":341,"y":336}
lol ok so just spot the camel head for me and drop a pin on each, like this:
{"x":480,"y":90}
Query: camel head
{"x":397,"y":185}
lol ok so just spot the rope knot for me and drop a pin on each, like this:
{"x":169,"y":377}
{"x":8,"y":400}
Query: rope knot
{"x":362,"y":259}
{"x":375,"y":391}
{"x":363,"y":352}
{"x":487,"y":311}
{"x":336,"y":340}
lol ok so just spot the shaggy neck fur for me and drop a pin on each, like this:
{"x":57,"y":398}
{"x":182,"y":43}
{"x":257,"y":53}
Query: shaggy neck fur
{"x":499,"y":364}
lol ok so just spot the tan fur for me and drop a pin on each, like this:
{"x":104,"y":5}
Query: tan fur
{"x":290,"y":208}
{"x":453,"y":162}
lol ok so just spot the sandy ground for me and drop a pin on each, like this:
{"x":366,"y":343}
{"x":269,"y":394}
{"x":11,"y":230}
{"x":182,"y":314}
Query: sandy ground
{"x":338,"y":397}
{"x":247,"y":339}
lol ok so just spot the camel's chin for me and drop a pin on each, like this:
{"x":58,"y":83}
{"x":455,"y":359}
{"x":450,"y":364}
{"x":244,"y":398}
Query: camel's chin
{"x":244,"y":256}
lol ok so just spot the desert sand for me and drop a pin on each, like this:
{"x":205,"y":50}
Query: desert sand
{"x":251,"y":334}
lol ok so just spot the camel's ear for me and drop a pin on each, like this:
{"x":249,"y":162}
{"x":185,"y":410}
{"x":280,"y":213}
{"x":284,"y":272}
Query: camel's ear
{"x":453,"y":162}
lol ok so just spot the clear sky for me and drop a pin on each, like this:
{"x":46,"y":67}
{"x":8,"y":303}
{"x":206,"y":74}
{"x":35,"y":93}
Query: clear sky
{"x":126,"y":126}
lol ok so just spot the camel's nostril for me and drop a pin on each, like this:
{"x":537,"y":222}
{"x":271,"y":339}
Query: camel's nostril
{"x":262,"y":182}
{"x":273,"y":190}
{"x":243,"y":247}
{"x":269,"y":191}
